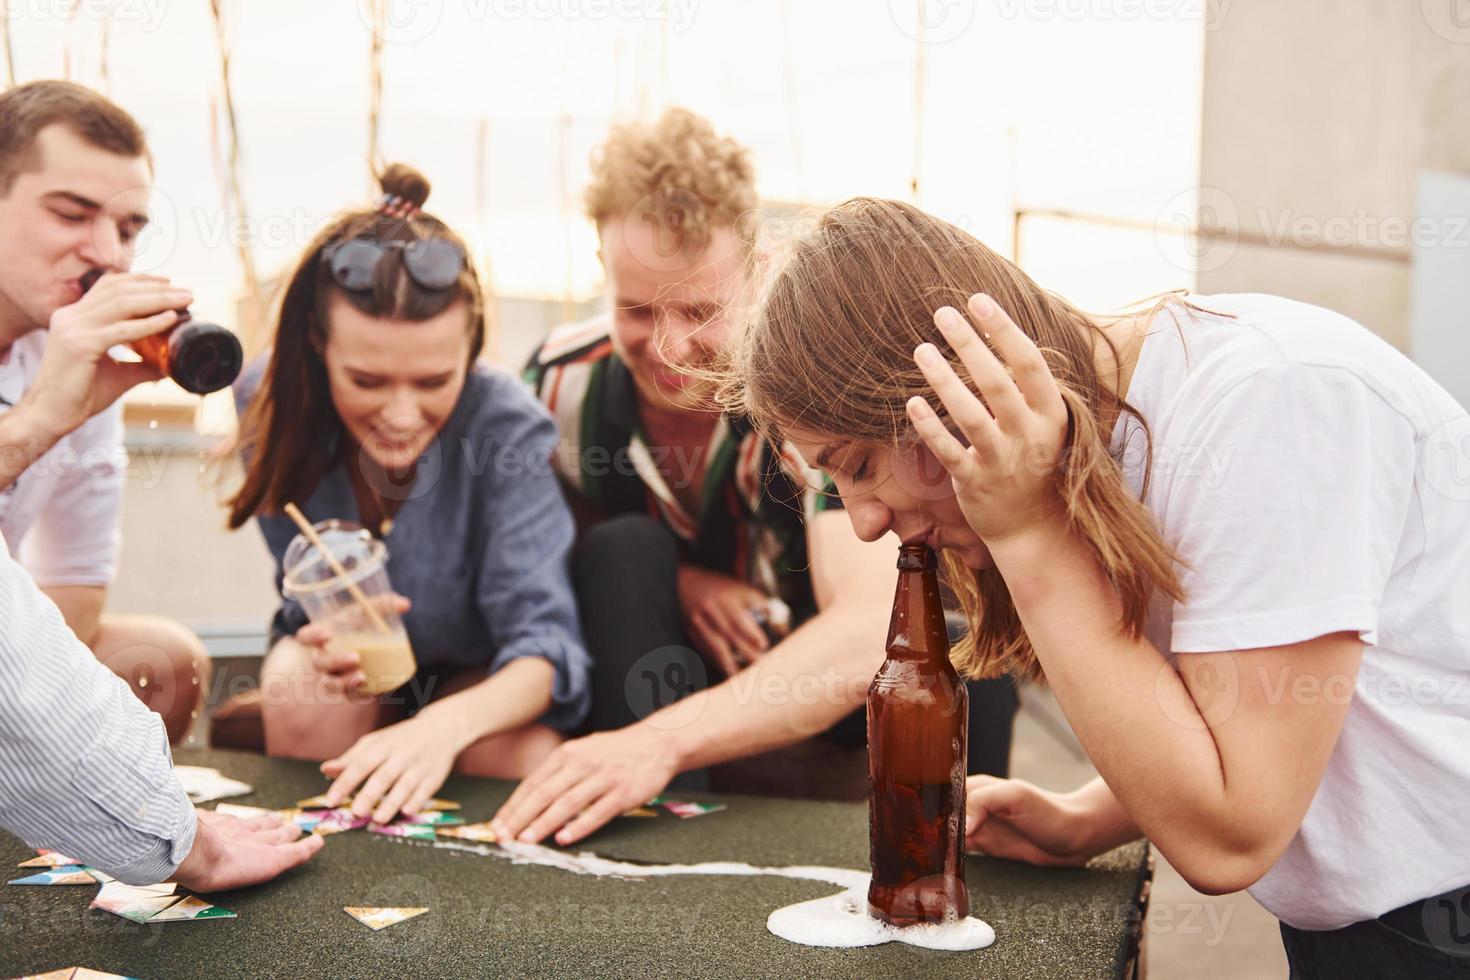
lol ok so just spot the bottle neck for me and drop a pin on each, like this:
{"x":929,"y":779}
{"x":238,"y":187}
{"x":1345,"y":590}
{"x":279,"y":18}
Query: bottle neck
{"x":917,"y":630}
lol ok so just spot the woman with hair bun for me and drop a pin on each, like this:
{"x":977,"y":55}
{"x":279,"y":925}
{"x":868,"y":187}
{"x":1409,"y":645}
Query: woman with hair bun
{"x":1231,"y":533}
{"x":371,"y":408}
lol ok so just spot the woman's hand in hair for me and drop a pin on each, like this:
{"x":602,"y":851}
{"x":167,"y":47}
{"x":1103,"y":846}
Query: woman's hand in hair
{"x":717,"y":615}
{"x":1013,"y":421}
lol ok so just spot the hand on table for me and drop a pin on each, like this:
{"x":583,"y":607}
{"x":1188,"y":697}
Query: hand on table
{"x":399,"y":768}
{"x":717,"y":616}
{"x":1013,"y":819}
{"x":231,"y":853}
{"x":585,"y":783}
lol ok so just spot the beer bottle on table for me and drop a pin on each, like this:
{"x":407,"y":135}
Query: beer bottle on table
{"x":200,"y":357}
{"x":918,"y":712}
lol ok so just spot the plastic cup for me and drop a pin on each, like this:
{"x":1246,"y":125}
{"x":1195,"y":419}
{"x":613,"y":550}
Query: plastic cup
{"x":386,"y":657}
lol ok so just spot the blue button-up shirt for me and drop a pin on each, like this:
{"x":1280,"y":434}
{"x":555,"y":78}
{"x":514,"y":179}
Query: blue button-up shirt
{"x":480,"y":542}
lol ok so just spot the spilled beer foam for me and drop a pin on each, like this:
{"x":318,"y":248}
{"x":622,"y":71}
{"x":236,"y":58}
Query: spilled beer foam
{"x":836,"y":922}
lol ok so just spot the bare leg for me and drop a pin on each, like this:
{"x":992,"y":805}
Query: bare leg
{"x":166,"y":665}
{"x":304,"y":714}
{"x":508,"y":755}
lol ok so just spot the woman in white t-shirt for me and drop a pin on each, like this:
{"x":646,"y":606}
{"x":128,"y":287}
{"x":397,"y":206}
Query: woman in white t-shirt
{"x":1231,"y":532}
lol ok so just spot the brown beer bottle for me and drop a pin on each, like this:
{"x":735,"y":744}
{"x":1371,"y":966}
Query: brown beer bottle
{"x":918,"y":720}
{"x":200,"y":357}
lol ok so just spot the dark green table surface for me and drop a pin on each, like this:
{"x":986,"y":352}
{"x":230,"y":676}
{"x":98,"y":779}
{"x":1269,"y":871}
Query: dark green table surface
{"x":491,"y":918}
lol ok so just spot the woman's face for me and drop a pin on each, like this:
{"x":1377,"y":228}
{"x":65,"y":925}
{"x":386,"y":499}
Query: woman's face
{"x":905,"y":491}
{"x":395,"y":382}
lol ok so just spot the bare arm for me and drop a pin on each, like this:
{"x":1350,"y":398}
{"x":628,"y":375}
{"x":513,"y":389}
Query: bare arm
{"x":1216,"y":761}
{"x":815,"y":676}
{"x":808,"y":681}
{"x":515,"y":695}
{"x":81,"y":607}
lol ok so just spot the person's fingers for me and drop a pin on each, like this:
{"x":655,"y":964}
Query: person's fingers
{"x":113,"y":379}
{"x":714,"y":642}
{"x":957,"y":460}
{"x":533,"y":794}
{"x":314,"y":634}
{"x":971,"y":416}
{"x":358,"y":765}
{"x":593,"y":817}
{"x":542,"y":799}
{"x":747,"y":632}
{"x":990,"y":376}
{"x":421,"y":794}
{"x":335,"y":660}
{"x":384,"y":776}
{"x":565,"y":807}
{"x":1033,"y":377}
{"x":396,"y":796}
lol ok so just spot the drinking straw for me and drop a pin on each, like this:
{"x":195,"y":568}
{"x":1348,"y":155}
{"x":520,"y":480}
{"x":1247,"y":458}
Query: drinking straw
{"x":295,"y":514}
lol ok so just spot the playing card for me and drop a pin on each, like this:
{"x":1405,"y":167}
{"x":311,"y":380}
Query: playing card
{"x":244,"y":812}
{"x":413,"y":831}
{"x":67,"y":874}
{"x":319,"y":802}
{"x":204,"y":784}
{"x":478,"y":832}
{"x":338,"y":820}
{"x":437,"y":818}
{"x":438,"y":804}
{"x":75,"y":973}
{"x":191,"y":908}
{"x":48,"y":859}
{"x":381,"y":918}
{"x":686,"y":810}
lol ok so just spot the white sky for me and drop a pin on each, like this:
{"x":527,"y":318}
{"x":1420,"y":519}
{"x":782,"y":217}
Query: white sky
{"x":1089,"y":105}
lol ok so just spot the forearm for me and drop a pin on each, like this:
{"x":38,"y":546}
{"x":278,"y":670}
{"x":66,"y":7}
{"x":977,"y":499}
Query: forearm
{"x":1108,"y":823}
{"x":23,"y":440}
{"x":514,"y":696}
{"x":1130,"y":710}
{"x":808,"y":681}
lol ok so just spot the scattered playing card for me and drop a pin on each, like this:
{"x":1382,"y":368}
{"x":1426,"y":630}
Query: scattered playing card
{"x":48,"y":859}
{"x":155,"y":903}
{"x":204,"y":784}
{"x":685,"y":810}
{"x":641,"y":811}
{"x":413,"y":831}
{"x":191,"y":908}
{"x":319,"y":802}
{"x":75,"y":973}
{"x":244,"y":812}
{"x":101,"y":876}
{"x":481,"y":833}
{"x":67,"y":874}
{"x":437,"y":818}
{"x":338,"y":820}
{"x":438,"y":804}
{"x":376,"y":918}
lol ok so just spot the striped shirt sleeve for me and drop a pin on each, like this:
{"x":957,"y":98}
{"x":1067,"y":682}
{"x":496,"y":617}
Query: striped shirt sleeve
{"x":85,"y":768}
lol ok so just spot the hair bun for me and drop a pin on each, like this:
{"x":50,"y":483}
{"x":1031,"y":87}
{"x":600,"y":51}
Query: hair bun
{"x":401,"y":180}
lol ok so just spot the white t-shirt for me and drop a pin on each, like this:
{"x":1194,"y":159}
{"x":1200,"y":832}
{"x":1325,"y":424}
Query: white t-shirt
{"x":1315,"y":480}
{"x":61,"y":516}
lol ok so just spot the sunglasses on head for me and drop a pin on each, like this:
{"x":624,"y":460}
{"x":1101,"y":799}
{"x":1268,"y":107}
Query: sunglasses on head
{"x":433,"y":263}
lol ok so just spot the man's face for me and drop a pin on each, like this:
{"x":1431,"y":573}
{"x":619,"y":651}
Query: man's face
{"x":82,"y":209}
{"x":671,"y":313}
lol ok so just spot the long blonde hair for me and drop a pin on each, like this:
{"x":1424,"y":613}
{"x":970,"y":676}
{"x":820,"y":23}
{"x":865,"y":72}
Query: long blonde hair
{"x":830,"y":349}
